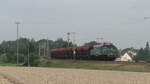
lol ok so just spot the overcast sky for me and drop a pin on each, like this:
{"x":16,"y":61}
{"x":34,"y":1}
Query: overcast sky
{"x":118,"y":21}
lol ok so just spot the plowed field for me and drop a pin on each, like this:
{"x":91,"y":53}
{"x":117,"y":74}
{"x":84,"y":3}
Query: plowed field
{"x":22,"y":75}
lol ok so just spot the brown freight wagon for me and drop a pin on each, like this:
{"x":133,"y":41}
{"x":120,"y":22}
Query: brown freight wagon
{"x":102,"y":51}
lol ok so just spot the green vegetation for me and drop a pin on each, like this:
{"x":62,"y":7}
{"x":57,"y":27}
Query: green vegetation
{"x":143,"y":54}
{"x":8,"y":64}
{"x":91,"y":43}
{"x":129,"y":49}
{"x":135,"y":68}
{"x":96,"y":66}
{"x":31,"y":47}
{"x":77,"y":65}
{"x":85,"y":65}
{"x":33,"y":61}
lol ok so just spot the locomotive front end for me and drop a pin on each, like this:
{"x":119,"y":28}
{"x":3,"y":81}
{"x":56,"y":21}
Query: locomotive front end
{"x":104,"y":51}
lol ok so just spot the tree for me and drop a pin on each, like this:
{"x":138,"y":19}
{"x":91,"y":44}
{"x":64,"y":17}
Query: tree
{"x":25,"y":44}
{"x":140,"y":55}
{"x":147,"y":52}
{"x":60,"y":43}
{"x":129,"y":49}
{"x":91,"y":43}
{"x":143,"y":54}
{"x":34,"y":60}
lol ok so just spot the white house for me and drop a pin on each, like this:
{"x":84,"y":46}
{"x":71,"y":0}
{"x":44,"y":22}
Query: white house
{"x":125,"y":57}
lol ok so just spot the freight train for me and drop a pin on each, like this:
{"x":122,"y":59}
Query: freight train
{"x":103,"y":51}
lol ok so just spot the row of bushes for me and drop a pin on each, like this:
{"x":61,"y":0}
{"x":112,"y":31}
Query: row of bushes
{"x":34,"y":59}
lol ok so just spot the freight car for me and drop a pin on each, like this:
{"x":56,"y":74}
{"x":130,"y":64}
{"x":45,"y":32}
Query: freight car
{"x":103,"y":51}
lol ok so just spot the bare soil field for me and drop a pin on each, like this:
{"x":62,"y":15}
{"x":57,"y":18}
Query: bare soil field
{"x":4,"y":80}
{"x":32,"y":75}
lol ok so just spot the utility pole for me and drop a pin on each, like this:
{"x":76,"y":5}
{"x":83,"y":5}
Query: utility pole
{"x":44,"y":50}
{"x":29,"y":54}
{"x":73,"y":38}
{"x":68,"y":38}
{"x":47,"y":48}
{"x":17,"y":23}
{"x":39,"y":49}
{"x":73,"y":42}
{"x":100,"y":40}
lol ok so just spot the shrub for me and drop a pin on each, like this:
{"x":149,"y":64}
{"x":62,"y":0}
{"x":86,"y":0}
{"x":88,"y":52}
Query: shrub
{"x":34,"y":60}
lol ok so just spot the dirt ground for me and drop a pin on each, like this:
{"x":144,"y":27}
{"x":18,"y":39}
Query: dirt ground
{"x":32,"y":75}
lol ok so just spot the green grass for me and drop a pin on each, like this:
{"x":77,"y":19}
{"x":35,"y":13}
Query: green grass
{"x":8,"y":64}
{"x":89,"y":65}
{"x":95,"y":66}
{"x":135,"y":68}
{"x":76,"y":65}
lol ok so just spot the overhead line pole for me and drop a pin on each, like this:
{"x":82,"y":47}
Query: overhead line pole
{"x":47,"y":47}
{"x":73,"y":42}
{"x":17,"y":23}
{"x":39,"y":49}
{"x":100,"y":40}
{"x":29,"y":54}
{"x":68,"y":38}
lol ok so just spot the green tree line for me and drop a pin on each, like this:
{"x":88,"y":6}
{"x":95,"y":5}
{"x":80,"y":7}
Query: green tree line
{"x":29,"y":46}
{"x":143,"y":54}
